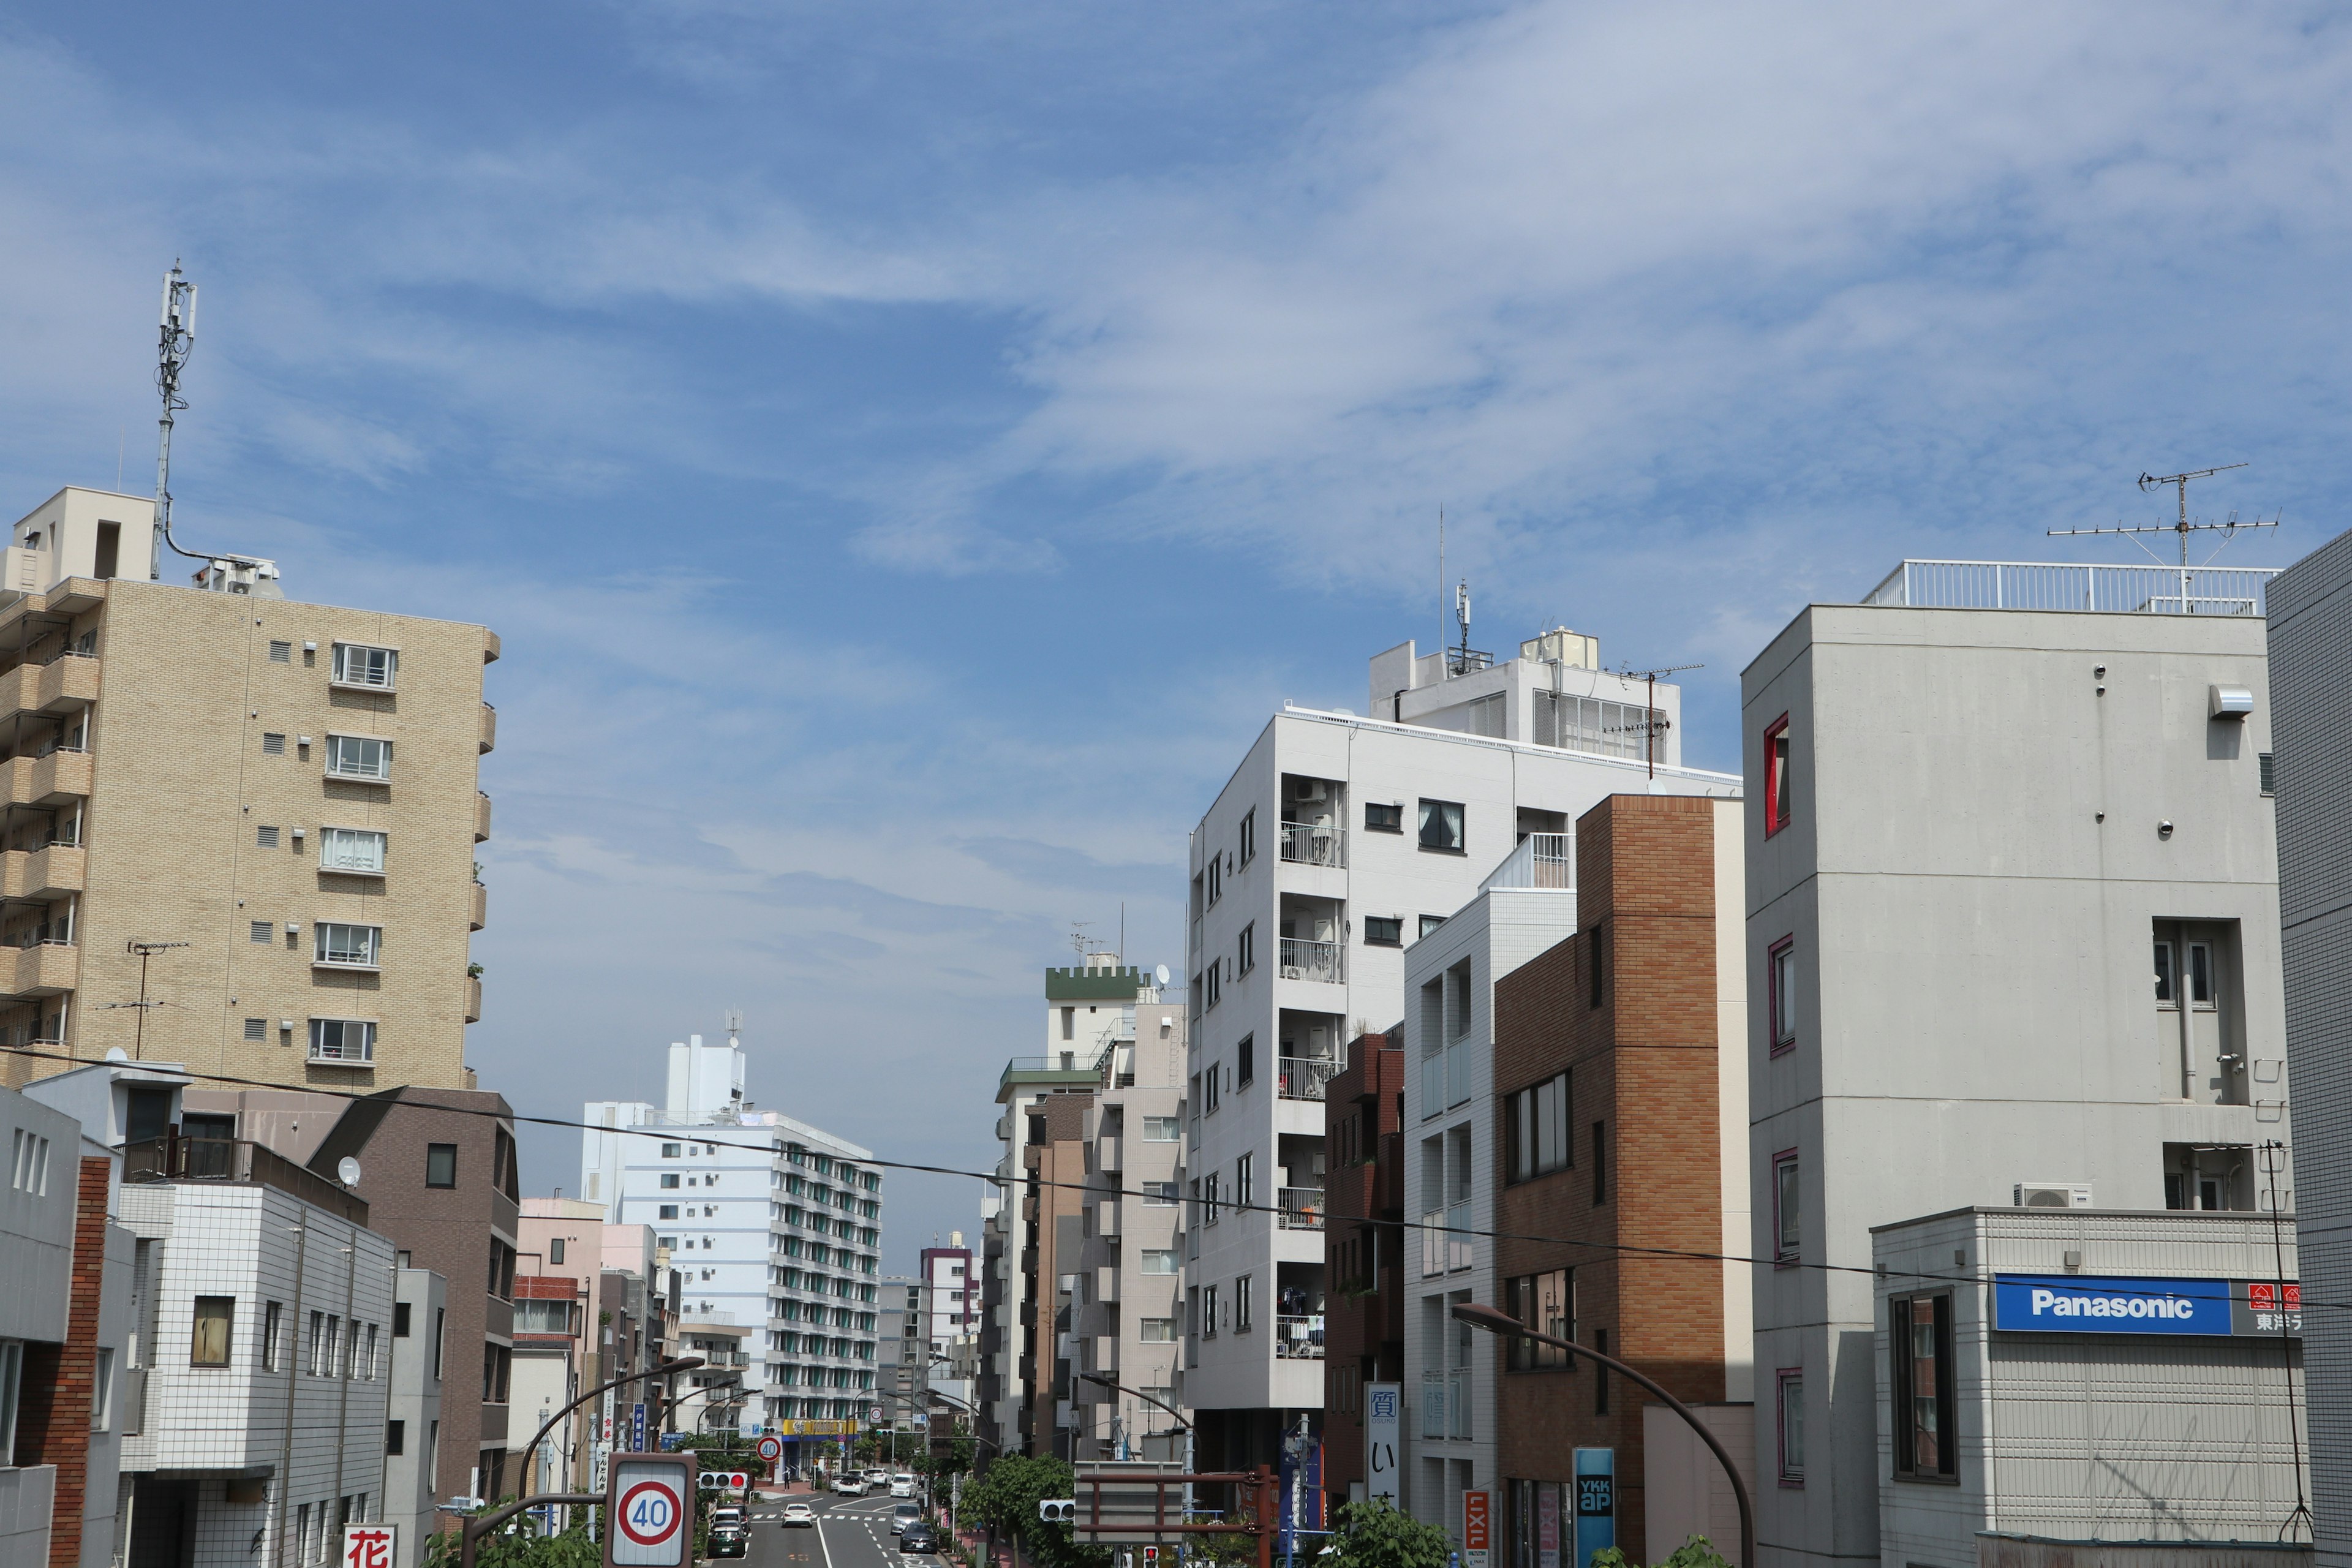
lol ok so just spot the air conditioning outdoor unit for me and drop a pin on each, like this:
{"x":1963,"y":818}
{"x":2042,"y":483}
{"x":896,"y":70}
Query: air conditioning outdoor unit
{"x":1313,"y":791}
{"x":2053,"y":1195}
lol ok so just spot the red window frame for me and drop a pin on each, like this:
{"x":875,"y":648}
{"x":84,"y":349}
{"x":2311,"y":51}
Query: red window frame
{"x":1782,"y":1256}
{"x":1774,"y":1001}
{"x":1777,"y":768}
{"x":1781,"y":1379}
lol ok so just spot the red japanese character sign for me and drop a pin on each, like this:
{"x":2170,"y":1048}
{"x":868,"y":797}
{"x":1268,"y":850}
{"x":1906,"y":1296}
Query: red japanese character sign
{"x":371,"y":1545}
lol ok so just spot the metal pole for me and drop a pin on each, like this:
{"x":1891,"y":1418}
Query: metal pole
{"x":686,"y":1363}
{"x":1502,"y":1324}
{"x":470,"y":1534}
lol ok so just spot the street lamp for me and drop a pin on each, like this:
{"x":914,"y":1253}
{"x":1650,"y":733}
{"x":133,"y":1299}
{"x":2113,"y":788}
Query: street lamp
{"x":1170,"y":1410}
{"x":1496,"y":1322}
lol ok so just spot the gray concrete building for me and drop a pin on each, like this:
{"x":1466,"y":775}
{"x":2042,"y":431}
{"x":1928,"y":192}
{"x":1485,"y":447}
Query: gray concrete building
{"x":2011,"y":941}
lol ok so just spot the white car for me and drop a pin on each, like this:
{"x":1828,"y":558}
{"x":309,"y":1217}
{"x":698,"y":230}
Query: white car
{"x":799,"y":1514}
{"x":849,"y":1485}
{"x":902,"y":1485}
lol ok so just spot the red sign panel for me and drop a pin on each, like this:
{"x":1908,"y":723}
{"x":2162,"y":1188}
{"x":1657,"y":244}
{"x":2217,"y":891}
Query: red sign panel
{"x":1474,"y":1522}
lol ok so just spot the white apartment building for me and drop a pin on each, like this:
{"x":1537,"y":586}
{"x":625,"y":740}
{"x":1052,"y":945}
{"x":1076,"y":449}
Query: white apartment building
{"x":1338,"y":843}
{"x":949,"y":1317}
{"x":2012,"y":938}
{"x":769,"y":1223}
{"x":412,"y":1431}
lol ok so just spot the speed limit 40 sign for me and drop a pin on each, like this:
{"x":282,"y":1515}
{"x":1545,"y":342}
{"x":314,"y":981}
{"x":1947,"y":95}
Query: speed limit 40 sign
{"x":649,"y":1502}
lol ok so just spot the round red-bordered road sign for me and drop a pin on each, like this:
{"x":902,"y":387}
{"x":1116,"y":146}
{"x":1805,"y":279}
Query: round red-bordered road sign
{"x":658,"y":1512}
{"x":771,"y":1448}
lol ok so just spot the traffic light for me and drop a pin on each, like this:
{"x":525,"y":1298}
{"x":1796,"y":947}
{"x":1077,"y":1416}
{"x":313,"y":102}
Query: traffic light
{"x":1058,"y":1511}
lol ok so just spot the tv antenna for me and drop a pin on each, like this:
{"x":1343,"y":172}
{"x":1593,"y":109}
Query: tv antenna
{"x":1078,"y":940}
{"x":145,"y":950}
{"x":2181,"y":526}
{"x":1655,"y":723}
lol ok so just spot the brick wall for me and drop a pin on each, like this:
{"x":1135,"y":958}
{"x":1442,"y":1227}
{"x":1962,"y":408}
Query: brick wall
{"x":53,"y":1411}
{"x":1363,"y":1334}
{"x":1643,"y":1065}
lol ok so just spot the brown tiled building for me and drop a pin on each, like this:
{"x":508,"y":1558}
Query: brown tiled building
{"x":1363,"y":1248}
{"x":1621,"y":1123}
{"x":1051,"y":1214}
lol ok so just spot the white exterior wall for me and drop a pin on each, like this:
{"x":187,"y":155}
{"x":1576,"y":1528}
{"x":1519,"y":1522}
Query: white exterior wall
{"x":317,"y":1439}
{"x":1497,"y":932}
{"x":1386,"y":874}
{"x":1974,"y":1004}
{"x":413,"y":1399}
{"x":37,"y":1236}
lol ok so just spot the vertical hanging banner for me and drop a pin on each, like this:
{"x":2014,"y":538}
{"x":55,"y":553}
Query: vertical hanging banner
{"x":1547,"y":1525}
{"x":1476,"y":1530}
{"x":1382,"y":1422}
{"x":1596,"y":1502}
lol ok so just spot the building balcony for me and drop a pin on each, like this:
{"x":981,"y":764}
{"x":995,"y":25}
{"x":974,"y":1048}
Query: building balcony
{"x":1541,"y":861}
{"x":62,"y":776}
{"x":481,"y":816}
{"x":1298,"y":1337}
{"x":1304,"y":1078}
{"x":178,"y":1159}
{"x":44,"y":966}
{"x":65,"y":683}
{"x":1315,"y":843}
{"x":473,"y":998}
{"x":52,"y":871}
{"x":1321,"y":960}
{"x":490,"y":728}
{"x":481,"y":914}
{"x":1300,"y":1208}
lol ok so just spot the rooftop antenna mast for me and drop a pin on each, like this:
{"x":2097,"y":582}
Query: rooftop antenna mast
{"x":2181,"y":525}
{"x":1652,"y":723}
{"x":178,"y":331}
{"x":1462,"y":618}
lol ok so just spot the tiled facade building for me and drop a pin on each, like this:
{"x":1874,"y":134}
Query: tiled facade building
{"x":1363,"y":1249}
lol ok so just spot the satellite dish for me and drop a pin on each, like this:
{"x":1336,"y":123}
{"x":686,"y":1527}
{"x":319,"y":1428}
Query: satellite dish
{"x":347,"y":1171}
{"x":1162,"y":973}
{"x":117,"y":1054}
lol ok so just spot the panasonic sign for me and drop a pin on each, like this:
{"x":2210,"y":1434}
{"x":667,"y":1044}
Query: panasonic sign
{"x":2077,"y":1304}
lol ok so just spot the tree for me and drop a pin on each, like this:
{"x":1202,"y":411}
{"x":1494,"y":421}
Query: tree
{"x":1006,"y":1500}
{"x":499,"y":1549}
{"x":1696,"y":1553}
{"x":951,"y":1456}
{"x":1374,"y":1534}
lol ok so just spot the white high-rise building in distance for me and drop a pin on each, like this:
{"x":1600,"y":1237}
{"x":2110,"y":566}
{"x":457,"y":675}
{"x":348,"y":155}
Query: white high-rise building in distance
{"x":1338,"y":843}
{"x":769,"y":1223}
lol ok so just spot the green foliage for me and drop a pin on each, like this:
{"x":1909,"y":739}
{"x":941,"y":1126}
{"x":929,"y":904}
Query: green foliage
{"x":953,"y":1457}
{"x":1696,"y":1553}
{"x":1006,"y":1500}
{"x":1374,"y":1534}
{"x":572,"y":1549}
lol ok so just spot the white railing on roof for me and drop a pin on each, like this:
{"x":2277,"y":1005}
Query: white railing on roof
{"x":1541,"y":861}
{"x":2042,"y":586}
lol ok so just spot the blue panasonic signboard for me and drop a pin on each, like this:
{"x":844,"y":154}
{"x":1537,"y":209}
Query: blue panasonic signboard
{"x":2080,"y":1304}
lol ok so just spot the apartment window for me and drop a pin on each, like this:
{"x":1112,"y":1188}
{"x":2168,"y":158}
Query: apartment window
{"x":1920,"y":1339}
{"x":1786,"y":1234}
{"x":1776,"y":776}
{"x":2269,"y":773}
{"x":1244,"y":1296}
{"x":281,"y":652}
{"x":262,"y":932}
{"x":1780,"y":993}
{"x":350,"y":946}
{"x":1245,"y":1062}
{"x":1216,"y":877}
{"x":1214,"y":987}
{"x":12,"y":1369}
{"x":359,"y":665}
{"x":1485,"y":715}
{"x":1157,"y":1261}
{"x":1384,"y":818}
{"x":1601,"y":1162}
{"x":1159,"y":1330}
{"x":395,"y":1438}
{"x":671,"y":1151}
{"x":1430,"y":922}
{"x":342,"y":1040}
{"x":1441,"y":826}
{"x":1534,"y":1122}
{"x":301,"y":1533}
{"x":358,"y":757}
{"x":440,"y":1165}
{"x":669,"y":1179}
{"x":1245,"y":949}
{"x":1546,"y":1304}
{"x":1069,"y":1022}
{"x":1160,"y":1130}
{"x":1158,"y":1195}
{"x":256,"y":1028}
{"x":273,"y":1317}
{"x":214,"y":1315}
{"x":1249,"y":836}
{"x":101,"y":1391}
{"x":1246,"y":1181}
{"x":555,"y":1249}
{"x":1207,"y":1311}
{"x":368,"y":1360}
{"x":273,"y":745}
{"x":1789,"y":1416}
{"x":400,"y":1315}
{"x":351,"y":850}
{"x":265,"y":838}
{"x":1383,"y":930}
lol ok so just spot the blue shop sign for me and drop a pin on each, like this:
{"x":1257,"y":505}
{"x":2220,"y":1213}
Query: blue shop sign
{"x":2080,"y":1304}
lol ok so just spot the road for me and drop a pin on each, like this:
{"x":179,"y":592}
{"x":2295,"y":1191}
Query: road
{"x":851,"y":1533}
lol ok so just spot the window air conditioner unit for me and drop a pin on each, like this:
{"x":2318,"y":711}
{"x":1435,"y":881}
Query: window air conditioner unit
{"x":2052,"y":1195}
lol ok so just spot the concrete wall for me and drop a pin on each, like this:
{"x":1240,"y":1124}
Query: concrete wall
{"x":413,"y":1399}
{"x":1687,"y":1493}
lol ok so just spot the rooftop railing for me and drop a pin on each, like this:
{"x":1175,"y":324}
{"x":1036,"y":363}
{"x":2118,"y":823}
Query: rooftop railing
{"x":2047,"y":585}
{"x":1541,"y":861}
{"x":175,"y":1158}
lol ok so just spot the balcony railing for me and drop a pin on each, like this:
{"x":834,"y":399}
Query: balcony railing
{"x":1315,"y":843}
{"x":1305,"y":960}
{"x":1301,"y":1208}
{"x":1303,"y":1077}
{"x":179,"y":1158}
{"x":2043,"y":585}
{"x":1298,"y":1337}
{"x":1541,"y":861}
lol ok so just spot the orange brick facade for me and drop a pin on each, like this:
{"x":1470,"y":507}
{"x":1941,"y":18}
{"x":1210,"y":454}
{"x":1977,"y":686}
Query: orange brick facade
{"x":1642,"y":1066}
{"x":1363,"y":1247}
{"x":53,"y":1424}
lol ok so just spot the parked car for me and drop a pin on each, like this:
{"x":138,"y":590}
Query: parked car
{"x":902,"y":1485}
{"x":727,"y":1513}
{"x":849,"y":1485}
{"x":798,"y":1515}
{"x":729,"y":1541}
{"x":920,"y":1536}
{"x":903,"y":1514}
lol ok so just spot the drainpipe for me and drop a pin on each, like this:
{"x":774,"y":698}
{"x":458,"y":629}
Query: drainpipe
{"x":350,"y":1356}
{"x":286,"y":1442}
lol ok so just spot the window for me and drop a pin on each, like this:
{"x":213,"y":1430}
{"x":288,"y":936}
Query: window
{"x":1483,"y":715}
{"x":342,"y":1040}
{"x":359,"y":665}
{"x":265,"y":838}
{"x":1441,"y":826}
{"x":2167,"y":992}
{"x":1384,"y":818}
{"x":1786,"y":1234}
{"x":671,"y":1151}
{"x":1601,"y":1162}
{"x":303,"y":1532}
{"x":1158,"y":1130}
{"x":1776,"y":776}
{"x":1069,"y":1022}
{"x":395,"y":1438}
{"x":1249,"y":836}
{"x":1244,"y":1295}
{"x":273,"y":745}
{"x":256,"y":1028}
{"x":1430,"y":922}
{"x":101,"y":1389}
{"x":1216,"y":877}
{"x":358,"y":757}
{"x":1245,"y":1061}
{"x":1159,"y":1330}
{"x":1158,"y":1195}
{"x":1545,"y":1303}
{"x":1214,"y":987}
{"x":669,"y":1179}
{"x":555,"y":1249}
{"x":280,"y":652}
{"x":350,"y":946}
{"x":2269,"y":773}
{"x":351,"y":850}
{"x":1919,"y":1342}
{"x":1156,"y":1261}
{"x":1535,"y":1129}
{"x":1245,"y":949}
{"x":400,"y":1316}
{"x":1383,"y":930}
{"x":440,"y":1165}
{"x":1780,"y":993}
{"x":367,"y":1363}
{"x":214,"y":1317}
{"x":29,"y":1163}
{"x":1246,"y":1181}
{"x":12,"y":1368}
{"x":273,"y":1315}
{"x":1788,"y":1412}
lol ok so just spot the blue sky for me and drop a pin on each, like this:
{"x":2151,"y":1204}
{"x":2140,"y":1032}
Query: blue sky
{"x":909,"y":451}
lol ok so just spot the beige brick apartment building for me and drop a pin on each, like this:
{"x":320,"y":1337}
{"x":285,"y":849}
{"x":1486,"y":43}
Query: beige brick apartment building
{"x":278,"y":799}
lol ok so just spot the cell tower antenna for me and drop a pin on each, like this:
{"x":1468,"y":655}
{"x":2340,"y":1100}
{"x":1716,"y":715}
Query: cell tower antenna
{"x":178,"y":333}
{"x":734,"y":1023}
{"x":1654,"y":724}
{"x":2181,"y":525}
